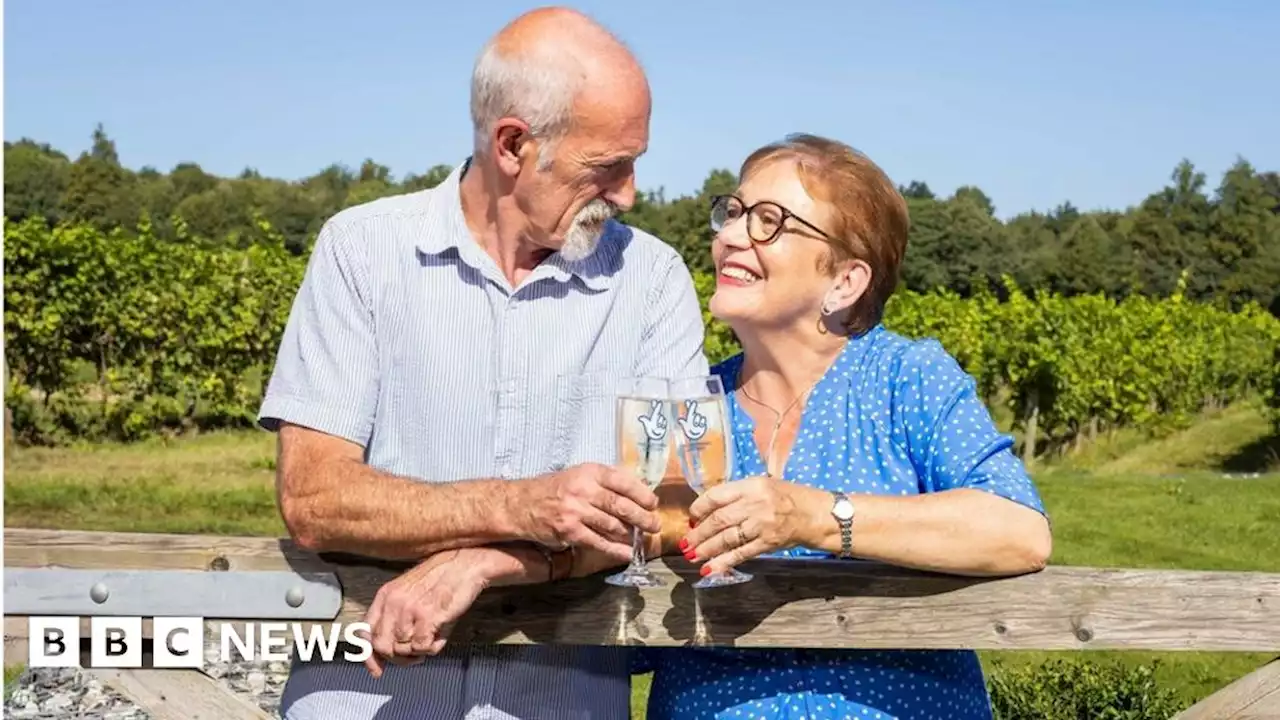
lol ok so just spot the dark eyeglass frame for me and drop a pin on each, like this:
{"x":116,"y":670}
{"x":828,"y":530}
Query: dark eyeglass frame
{"x":749,"y":210}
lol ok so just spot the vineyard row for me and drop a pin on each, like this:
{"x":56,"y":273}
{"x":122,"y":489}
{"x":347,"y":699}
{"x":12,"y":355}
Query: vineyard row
{"x":118,"y":336}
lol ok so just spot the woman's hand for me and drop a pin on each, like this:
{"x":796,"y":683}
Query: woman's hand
{"x":740,"y":520}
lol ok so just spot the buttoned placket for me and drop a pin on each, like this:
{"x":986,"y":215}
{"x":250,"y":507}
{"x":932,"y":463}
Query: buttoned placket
{"x":482,"y":666}
{"x":508,"y":428}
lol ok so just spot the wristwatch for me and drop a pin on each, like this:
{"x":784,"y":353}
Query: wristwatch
{"x":842,"y":511}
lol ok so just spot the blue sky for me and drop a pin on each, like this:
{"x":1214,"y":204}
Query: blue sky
{"x":1035,"y":102}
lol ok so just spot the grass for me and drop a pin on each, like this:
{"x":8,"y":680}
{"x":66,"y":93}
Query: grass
{"x":11,"y":673}
{"x":220,"y":483}
{"x":1234,"y":441}
{"x":1203,"y":498}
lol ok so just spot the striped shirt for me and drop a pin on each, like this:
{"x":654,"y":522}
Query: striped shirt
{"x":406,"y":338}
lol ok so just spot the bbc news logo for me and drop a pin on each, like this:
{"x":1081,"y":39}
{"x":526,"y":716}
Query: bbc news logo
{"x":179,"y":642}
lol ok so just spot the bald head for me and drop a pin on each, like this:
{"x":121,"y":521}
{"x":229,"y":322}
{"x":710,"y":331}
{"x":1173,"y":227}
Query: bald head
{"x":569,"y":36}
{"x":545,"y":67}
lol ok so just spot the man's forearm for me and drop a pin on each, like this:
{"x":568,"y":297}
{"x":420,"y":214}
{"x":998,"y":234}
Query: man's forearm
{"x":522,"y":564}
{"x":347,"y":506}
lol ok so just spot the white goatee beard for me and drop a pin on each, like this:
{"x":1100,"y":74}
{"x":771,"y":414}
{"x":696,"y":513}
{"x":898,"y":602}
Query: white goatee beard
{"x":584,"y":234}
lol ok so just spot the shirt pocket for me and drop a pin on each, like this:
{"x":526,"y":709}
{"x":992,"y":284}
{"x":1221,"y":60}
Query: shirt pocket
{"x":585,"y":418}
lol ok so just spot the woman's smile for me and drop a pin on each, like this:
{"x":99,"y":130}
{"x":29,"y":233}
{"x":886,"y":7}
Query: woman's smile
{"x":736,"y":274}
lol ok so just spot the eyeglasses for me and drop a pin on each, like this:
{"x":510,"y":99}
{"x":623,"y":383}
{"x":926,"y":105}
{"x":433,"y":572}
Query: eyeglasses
{"x":765,"y":219}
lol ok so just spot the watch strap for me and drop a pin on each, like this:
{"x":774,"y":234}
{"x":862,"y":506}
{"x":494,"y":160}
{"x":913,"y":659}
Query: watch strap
{"x":846,"y":525}
{"x":559,"y":562}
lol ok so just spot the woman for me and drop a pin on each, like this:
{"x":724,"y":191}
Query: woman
{"x":830,"y":411}
{"x":827,"y":405}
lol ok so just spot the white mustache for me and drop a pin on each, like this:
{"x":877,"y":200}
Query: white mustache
{"x":597,"y":211}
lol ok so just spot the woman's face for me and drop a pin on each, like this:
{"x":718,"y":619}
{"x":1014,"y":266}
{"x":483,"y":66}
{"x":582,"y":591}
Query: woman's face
{"x":774,"y":284}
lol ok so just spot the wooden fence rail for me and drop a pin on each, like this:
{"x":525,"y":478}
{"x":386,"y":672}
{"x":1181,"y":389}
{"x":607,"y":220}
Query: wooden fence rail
{"x":808,"y":604}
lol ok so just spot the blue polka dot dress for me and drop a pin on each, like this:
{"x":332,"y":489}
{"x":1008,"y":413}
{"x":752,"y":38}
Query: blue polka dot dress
{"x":892,"y":416}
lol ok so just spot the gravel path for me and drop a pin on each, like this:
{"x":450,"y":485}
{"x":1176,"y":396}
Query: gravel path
{"x":49,"y":693}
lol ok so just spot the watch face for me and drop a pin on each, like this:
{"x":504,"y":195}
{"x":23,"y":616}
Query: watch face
{"x":843,"y":510}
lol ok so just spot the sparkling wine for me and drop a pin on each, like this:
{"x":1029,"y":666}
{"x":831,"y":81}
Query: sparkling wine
{"x":705,"y":452}
{"x":644,"y":447}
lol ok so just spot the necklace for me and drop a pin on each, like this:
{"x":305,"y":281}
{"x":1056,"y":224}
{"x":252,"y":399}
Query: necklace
{"x":777,"y":424}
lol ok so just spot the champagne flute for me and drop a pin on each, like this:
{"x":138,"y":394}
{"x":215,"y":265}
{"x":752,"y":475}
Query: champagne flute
{"x":643,"y":448}
{"x":704,"y":444}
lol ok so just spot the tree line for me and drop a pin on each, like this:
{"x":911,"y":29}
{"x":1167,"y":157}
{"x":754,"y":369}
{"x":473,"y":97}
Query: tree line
{"x":1225,"y":237}
{"x":141,"y":302}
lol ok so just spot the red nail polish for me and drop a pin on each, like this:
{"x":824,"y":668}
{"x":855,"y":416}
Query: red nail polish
{"x":693,"y":523}
{"x":684,"y":544}
{"x":690,"y":555}
{"x":705,"y":571}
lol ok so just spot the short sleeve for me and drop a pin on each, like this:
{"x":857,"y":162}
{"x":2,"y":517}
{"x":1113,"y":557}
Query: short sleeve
{"x":325,"y":376}
{"x":671,"y":345}
{"x":950,"y":434}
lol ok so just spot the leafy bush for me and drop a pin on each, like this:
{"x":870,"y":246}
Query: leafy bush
{"x":120,"y":335}
{"x":1273,"y":395}
{"x":1087,"y":363}
{"x":174,"y":335}
{"x":1074,"y":690}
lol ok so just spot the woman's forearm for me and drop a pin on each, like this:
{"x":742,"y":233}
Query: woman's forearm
{"x":962,"y":531}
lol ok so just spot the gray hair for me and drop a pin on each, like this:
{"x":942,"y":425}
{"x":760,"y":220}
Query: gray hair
{"x":534,"y":86}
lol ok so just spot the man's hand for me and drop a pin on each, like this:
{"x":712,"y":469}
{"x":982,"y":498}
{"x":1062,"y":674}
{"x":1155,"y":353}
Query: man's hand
{"x":411,"y":616}
{"x":590,"y":506}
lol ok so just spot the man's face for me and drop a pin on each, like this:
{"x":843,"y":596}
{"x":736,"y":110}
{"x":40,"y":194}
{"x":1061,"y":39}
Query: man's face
{"x":591,"y":176}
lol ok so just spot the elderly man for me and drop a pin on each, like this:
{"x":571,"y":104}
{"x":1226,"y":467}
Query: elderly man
{"x":443,"y":390}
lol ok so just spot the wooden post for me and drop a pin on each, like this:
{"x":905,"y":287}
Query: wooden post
{"x":168,"y":694}
{"x":790,"y":603}
{"x":1254,"y":696}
